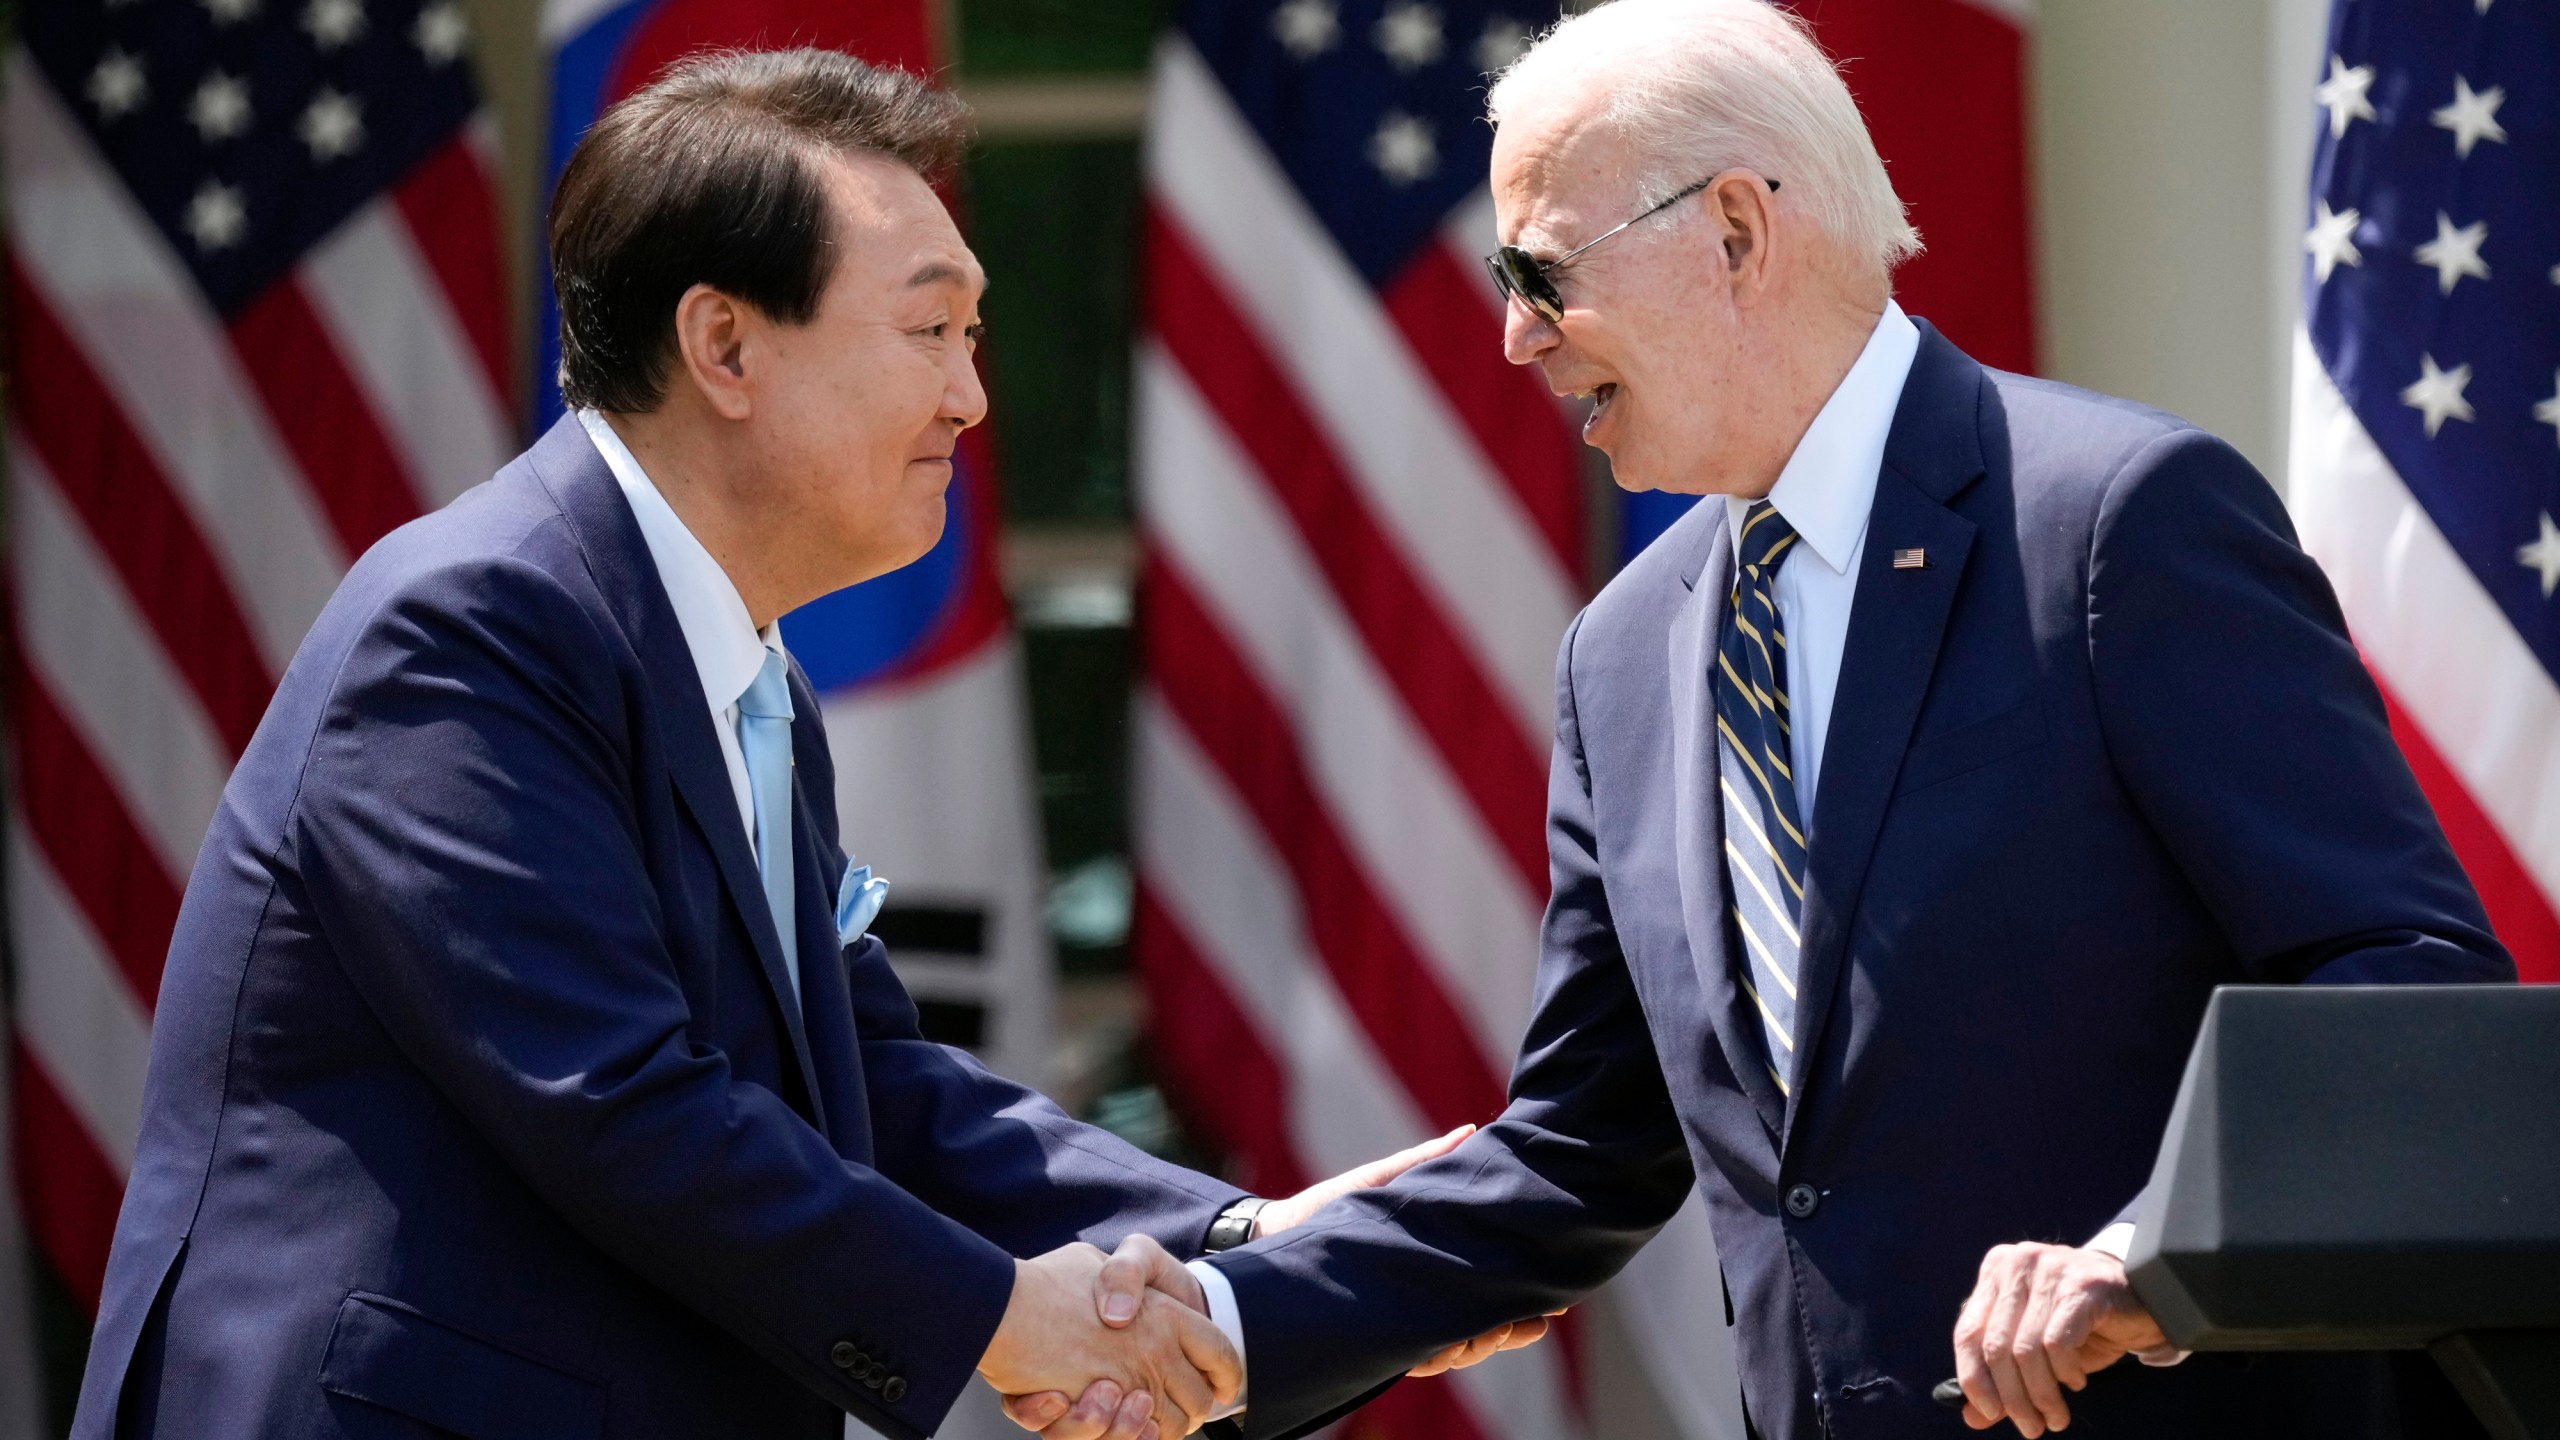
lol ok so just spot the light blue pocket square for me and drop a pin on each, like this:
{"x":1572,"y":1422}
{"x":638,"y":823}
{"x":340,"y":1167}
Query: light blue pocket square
{"x":858,"y":902}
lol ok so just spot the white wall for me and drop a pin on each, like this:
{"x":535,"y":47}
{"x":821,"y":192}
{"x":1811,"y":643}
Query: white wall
{"x":2172,"y":141}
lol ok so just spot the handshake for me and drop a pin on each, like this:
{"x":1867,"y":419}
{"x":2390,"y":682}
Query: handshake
{"x":1129,"y":1337}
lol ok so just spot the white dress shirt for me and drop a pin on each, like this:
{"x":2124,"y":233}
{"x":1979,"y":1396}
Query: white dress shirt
{"x":728,"y":650}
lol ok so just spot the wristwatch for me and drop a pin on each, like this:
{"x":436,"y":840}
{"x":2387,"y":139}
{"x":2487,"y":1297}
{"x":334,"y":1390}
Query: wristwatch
{"x":1234,"y":1225}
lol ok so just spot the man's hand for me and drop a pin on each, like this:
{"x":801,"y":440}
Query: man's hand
{"x":1164,"y":1372}
{"x":1487,"y":1345}
{"x":2042,"y":1319}
{"x":1288,"y":1214}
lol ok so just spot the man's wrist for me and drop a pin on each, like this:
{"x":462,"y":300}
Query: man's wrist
{"x":1221,"y":1299}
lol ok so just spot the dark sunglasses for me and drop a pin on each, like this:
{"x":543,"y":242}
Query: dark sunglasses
{"x":1524,"y":277}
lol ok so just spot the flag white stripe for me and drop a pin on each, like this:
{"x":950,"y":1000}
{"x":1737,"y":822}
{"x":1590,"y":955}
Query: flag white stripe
{"x":1442,"y":502}
{"x":2449,"y":654}
{"x":1220,"y":879}
{"x":102,"y":663}
{"x":146,"y":330}
{"x":1419,"y":842}
{"x":382,"y":304}
{"x":74,"y":1013}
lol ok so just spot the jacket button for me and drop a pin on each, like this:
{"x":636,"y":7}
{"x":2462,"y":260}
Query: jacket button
{"x":1803,"y":1200}
{"x":845,"y":1356}
{"x":872,"y":1376}
{"x":895,"y":1390}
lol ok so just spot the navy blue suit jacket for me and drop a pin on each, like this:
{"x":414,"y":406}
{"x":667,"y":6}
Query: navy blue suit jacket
{"x":2109,"y":749}
{"x":472,"y":1105}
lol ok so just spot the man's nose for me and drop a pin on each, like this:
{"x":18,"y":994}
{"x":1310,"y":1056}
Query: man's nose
{"x":1526,"y":334}
{"x":964,"y":397}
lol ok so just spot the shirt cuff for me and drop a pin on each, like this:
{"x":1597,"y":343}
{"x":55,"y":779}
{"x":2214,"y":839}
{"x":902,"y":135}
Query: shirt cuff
{"x":1224,"y":1315}
{"x":2116,"y":1240}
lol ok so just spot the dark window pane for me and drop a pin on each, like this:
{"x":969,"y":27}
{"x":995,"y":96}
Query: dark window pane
{"x":1026,"y":36}
{"x":1055,"y":223}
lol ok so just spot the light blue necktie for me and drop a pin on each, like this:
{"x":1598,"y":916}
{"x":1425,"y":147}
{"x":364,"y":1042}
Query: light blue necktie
{"x":764,"y":739}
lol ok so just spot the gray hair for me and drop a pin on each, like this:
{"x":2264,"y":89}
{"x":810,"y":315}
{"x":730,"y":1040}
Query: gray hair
{"x":1706,"y":85}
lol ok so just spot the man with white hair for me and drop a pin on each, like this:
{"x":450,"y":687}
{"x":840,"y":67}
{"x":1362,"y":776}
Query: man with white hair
{"x":1909,"y":799}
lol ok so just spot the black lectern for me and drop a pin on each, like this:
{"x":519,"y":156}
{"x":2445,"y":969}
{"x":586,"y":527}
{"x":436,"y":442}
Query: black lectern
{"x":2370,"y":1168}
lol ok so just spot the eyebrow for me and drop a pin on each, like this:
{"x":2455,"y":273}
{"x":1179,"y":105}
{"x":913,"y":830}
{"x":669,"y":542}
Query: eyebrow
{"x":936,"y":273}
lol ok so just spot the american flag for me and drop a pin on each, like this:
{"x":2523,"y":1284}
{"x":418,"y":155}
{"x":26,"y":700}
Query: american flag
{"x":256,"y":320}
{"x":2426,"y":414}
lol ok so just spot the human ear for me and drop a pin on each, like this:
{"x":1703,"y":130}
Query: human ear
{"x":1740,"y":206}
{"x":711,"y":343}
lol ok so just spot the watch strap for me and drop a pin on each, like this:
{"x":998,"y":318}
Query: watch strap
{"x":1234,"y":1225}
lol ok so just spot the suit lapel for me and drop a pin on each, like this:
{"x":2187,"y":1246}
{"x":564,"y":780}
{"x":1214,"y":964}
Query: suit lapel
{"x":1698,"y":818}
{"x":619,"y":558}
{"x":1895,"y":628}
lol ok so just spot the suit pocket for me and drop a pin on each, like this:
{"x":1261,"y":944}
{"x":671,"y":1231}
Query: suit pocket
{"x":385,"y":1353}
{"x":1966,"y":748}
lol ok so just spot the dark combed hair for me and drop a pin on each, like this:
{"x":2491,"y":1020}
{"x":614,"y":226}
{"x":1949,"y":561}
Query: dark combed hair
{"x":705,"y":178}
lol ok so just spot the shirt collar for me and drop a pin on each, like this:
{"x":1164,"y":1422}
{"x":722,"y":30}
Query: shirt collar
{"x":1829,"y":483}
{"x":727,"y":649}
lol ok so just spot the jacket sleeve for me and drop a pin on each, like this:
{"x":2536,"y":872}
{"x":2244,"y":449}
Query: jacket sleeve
{"x":2245,"y":726}
{"x":1583,"y":1166}
{"x":1001,"y":1158}
{"x":2248,"y":731}
{"x":466,"y":832}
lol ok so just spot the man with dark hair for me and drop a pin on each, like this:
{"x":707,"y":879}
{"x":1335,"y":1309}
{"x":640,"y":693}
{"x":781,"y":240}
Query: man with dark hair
{"x":521,"y":1067}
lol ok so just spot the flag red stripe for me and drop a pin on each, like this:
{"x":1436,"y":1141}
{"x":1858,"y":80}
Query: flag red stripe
{"x":2518,"y":909}
{"x":70,"y":1192}
{"x":79,"y":818}
{"x":453,"y":214}
{"x":1401,"y":623}
{"x":1384,"y":981}
{"x":1457,"y":338}
{"x":133,"y":515}
{"x":323,"y":417}
{"x":1230,"y":1085}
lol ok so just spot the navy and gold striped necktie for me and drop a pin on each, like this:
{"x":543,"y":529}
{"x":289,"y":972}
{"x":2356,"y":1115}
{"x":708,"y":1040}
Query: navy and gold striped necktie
{"x":1764,"y":852}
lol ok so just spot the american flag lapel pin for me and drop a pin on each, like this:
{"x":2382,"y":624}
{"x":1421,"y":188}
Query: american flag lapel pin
{"x":1914,"y":558}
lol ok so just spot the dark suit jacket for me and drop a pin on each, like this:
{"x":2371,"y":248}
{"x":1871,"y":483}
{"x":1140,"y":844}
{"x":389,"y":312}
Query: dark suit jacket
{"x":2109,"y":749}
{"x":472,"y":1105}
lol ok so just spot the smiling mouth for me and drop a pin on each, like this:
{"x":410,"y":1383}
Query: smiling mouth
{"x":1601,"y":397}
